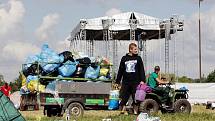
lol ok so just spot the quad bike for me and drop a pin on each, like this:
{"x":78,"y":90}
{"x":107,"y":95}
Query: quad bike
{"x":168,"y":100}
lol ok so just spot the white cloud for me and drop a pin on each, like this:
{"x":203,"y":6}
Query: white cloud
{"x":14,"y":47}
{"x":19,"y":51}
{"x":62,"y":46}
{"x":11,"y":15}
{"x":45,"y":30}
{"x":190,"y":53}
{"x":113,"y":11}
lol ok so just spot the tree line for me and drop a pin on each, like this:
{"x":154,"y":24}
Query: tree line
{"x":15,"y":85}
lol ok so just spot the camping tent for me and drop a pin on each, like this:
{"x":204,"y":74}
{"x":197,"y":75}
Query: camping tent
{"x":7,"y":110}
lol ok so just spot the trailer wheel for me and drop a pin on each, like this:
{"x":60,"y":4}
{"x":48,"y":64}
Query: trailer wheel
{"x":76,"y":109}
{"x":52,"y":111}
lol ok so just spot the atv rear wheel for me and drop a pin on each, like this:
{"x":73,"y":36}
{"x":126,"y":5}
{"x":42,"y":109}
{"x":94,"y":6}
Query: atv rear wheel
{"x":149,"y":106}
{"x":182,"y":106}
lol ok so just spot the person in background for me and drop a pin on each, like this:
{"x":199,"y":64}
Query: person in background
{"x":130,"y":74}
{"x":6,"y":89}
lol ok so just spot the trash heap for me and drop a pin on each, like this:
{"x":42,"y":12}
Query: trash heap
{"x":48,"y":63}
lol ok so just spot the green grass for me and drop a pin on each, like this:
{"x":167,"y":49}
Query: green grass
{"x":199,"y":113}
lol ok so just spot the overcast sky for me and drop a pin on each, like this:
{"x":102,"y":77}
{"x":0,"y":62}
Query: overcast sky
{"x":26,"y":24}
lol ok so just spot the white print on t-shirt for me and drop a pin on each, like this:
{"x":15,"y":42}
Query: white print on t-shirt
{"x":130,"y":65}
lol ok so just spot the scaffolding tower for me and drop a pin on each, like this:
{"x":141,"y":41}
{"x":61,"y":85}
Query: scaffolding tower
{"x":106,"y":35}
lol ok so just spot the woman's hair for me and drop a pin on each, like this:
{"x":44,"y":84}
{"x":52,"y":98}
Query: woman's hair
{"x":132,"y":45}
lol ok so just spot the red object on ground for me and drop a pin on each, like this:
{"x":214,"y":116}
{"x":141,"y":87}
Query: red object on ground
{"x":6,"y":90}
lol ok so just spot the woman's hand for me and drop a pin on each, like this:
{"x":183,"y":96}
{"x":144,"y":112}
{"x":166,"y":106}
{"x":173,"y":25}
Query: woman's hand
{"x":142,"y":82}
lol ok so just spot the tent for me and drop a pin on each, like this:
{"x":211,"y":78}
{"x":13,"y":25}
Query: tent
{"x":7,"y":110}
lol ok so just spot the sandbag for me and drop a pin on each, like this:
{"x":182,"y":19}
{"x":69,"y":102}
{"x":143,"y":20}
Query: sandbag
{"x":92,"y":73}
{"x":67,"y":69}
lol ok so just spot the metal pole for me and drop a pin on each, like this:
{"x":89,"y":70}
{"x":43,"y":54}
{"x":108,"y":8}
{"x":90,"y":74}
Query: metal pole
{"x":200,"y":60}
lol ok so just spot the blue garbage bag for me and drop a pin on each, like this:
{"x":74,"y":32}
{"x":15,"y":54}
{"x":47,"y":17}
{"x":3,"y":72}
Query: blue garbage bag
{"x":31,"y":78}
{"x":24,"y":90}
{"x":68,"y":68}
{"x":30,"y":60}
{"x":50,"y":59}
{"x":183,"y":88}
{"x":92,"y":73}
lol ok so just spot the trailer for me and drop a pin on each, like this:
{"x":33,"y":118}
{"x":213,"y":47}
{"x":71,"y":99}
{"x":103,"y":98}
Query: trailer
{"x":73,"y":98}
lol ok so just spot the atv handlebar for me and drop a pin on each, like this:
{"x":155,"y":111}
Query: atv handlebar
{"x":166,"y":84}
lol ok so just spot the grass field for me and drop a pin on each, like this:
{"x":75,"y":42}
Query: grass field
{"x":199,"y":113}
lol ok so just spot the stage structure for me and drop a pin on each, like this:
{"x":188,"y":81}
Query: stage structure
{"x":109,"y":36}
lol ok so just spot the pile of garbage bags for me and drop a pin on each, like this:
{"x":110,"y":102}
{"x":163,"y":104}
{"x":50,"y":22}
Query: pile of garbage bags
{"x":65,"y":64}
